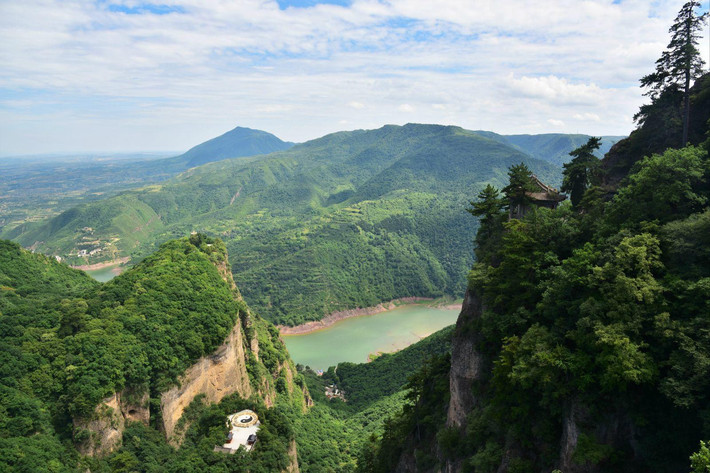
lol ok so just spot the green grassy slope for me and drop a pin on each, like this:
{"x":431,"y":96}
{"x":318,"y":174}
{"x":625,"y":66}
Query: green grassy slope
{"x":351,"y":219}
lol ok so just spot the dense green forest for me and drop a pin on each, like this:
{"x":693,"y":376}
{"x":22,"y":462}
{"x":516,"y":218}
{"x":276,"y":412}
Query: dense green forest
{"x":334,"y":435}
{"x":588,"y":325}
{"x":69,"y":342}
{"x":348,"y":220}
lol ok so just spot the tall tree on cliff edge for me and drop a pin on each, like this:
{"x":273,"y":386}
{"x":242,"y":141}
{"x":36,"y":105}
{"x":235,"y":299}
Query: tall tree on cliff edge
{"x":581,"y":171}
{"x":680,"y":63}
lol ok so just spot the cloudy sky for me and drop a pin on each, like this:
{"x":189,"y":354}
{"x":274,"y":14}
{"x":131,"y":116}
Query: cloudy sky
{"x":127,"y":75}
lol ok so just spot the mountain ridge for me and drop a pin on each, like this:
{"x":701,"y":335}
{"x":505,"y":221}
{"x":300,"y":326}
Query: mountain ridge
{"x":353,"y":208}
{"x":149,"y":349}
{"x":552,"y":147}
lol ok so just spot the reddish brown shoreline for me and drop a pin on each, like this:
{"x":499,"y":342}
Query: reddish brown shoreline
{"x":334,"y":317}
{"x":106,"y":264}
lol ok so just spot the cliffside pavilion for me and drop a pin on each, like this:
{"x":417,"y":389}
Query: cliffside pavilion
{"x":543,"y":196}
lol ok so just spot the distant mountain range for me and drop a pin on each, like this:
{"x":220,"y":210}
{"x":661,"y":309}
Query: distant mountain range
{"x":347,"y":220}
{"x":552,"y":147}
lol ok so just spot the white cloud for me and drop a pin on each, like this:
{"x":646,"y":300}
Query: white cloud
{"x":555,"y":123}
{"x":274,"y":108}
{"x":587,"y":117}
{"x":181,"y":78}
{"x":555,"y":89}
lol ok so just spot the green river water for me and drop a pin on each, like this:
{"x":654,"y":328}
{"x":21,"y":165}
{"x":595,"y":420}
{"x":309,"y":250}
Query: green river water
{"x":355,"y":338}
{"x":103,"y":274}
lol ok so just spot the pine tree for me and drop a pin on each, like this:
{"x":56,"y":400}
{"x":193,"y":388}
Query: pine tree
{"x":520,"y":181}
{"x":488,"y":206}
{"x":680,"y":63}
{"x":581,"y":171}
{"x":490,"y":209}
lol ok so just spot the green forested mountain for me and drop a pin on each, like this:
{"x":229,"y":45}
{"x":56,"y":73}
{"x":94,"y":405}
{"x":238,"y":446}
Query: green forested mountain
{"x":37,"y":187}
{"x":551,"y":147}
{"x":76,"y":352}
{"x":69,"y":343}
{"x":583,"y":344}
{"x":350,"y":219}
{"x":555,"y":147}
{"x":236,"y":143}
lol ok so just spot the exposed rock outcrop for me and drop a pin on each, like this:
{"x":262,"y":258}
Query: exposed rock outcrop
{"x":102,"y":433}
{"x":467,"y":364}
{"x":407,"y":463}
{"x":293,"y":455}
{"x":307,"y":399}
{"x":216,"y":376}
{"x":611,"y":430}
{"x":213,"y":377}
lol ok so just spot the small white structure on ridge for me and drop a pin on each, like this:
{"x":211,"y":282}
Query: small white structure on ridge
{"x":243,"y":428}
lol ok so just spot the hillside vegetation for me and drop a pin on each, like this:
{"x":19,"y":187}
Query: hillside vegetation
{"x":333,"y":434}
{"x":69,"y":343}
{"x":348,"y":220}
{"x":237,"y":143}
{"x":37,"y":188}
{"x":583,"y":344}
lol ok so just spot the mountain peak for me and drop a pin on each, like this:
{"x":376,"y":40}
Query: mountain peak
{"x":237,"y":143}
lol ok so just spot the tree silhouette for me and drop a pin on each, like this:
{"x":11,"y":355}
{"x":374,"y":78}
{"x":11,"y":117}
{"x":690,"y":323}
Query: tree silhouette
{"x":581,"y":171}
{"x":680,"y":63}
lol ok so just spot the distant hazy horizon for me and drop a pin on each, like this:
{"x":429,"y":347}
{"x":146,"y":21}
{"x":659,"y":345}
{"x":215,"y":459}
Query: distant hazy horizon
{"x":158,"y":153}
{"x":96,"y":154}
{"x":118,"y":75}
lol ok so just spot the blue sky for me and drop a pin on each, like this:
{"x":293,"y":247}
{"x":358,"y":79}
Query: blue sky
{"x":125,"y":75}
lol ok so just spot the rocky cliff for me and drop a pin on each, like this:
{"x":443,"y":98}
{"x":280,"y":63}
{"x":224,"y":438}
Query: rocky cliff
{"x":216,"y":376}
{"x":467,"y":364}
{"x":102,"y":433}
{"x":251,"y":361}
{"x":293,"y":455}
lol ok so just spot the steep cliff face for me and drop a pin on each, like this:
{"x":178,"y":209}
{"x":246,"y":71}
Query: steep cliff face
{"x":614,"y":429}
{"x":235,"y":366}
{"x":467,"y":364}
{"x":293,"y":455}
{"x":216,"y":376}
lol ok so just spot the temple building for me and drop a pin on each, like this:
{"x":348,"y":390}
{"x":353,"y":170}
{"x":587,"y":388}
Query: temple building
{"x":542,"y":196}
